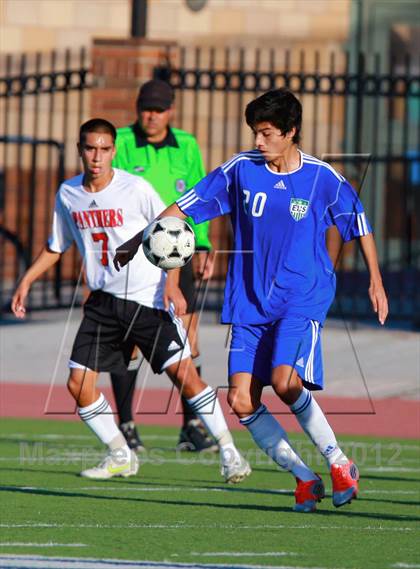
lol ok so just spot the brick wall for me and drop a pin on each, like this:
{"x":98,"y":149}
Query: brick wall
{"x":119,"y":68}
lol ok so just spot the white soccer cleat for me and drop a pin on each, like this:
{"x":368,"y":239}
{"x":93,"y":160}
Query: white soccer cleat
{"x":114,"y":464}
{"x":236,"y":471}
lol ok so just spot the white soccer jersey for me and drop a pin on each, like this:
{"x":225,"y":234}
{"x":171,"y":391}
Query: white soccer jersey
{"x":99,"y":222}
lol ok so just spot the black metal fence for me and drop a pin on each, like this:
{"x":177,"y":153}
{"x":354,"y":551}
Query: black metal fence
{"x":42,"y":103}
{"x":361,"y":114}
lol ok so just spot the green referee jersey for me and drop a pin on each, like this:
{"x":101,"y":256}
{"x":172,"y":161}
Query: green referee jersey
{"x":171,"y":166}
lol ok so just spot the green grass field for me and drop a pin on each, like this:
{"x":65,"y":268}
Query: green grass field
{"x":178,"y":509}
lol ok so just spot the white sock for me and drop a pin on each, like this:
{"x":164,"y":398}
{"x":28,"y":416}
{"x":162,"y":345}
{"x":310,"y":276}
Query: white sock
{"x":272,"y":439}
{"x":207,"y":407}
{"x":314,"y":423}
{"x":99,"y":418}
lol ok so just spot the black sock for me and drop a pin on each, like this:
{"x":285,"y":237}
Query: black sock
{"x":188,"y":414}
{"x":123,"y":386}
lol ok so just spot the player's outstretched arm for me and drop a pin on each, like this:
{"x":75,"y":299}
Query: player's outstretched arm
{"x":376,"y":290}
{"x":203,"y":264}
{"x":127,"y":251}
{"x":44,"y":261}
{"x":173,"y":210}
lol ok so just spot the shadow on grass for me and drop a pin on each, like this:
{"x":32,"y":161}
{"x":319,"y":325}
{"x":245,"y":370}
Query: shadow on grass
{"x":363,"y":476}
{"x":388,"y":501}
{"x":36,"y":470}
{"x":390,"y":478}
{"x":233,"y":507}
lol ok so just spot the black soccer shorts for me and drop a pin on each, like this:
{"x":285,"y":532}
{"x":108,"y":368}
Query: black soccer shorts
{"x":109,"y":322}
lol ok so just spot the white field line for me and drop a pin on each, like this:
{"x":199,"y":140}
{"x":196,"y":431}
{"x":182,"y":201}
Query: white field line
{"x":209,"y":459}
{"x":61,"y":453}
{"x":240,"y":436}
{"x":41,"y":525}
{"x":40,"y":562}
{"x":158,"y":459}
{"x":121,"y":488}
{"x":392,"y":492}
{"x":47,"y":544}
{"x":406,"y":565}
{"x":105,"y":488}
{"x":57,"y":437}
{"x":242,"y":554}
{"x":390,"y":469}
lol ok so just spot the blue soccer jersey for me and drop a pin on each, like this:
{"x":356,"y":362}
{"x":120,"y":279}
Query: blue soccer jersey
{"x":279,"y":265}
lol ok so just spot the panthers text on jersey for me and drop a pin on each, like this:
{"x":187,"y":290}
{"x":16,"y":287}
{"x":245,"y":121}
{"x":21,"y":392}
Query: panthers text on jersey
{"x":101,"y":221}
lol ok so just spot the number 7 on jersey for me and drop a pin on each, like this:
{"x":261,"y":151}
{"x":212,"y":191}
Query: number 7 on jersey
{"x":103,"y":237}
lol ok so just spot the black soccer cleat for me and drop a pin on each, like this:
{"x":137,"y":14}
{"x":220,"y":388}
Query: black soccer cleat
{"x":132,"y":437}
{"x":194,"y":438}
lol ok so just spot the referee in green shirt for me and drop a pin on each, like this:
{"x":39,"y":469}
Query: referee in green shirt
{"x":170,"y":159}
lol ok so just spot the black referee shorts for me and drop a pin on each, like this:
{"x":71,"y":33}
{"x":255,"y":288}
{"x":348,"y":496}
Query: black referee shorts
{"x":109,"y":322}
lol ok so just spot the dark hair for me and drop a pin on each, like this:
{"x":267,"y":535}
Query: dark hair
{"x":278,"y":107}
{"x":97,"y":125}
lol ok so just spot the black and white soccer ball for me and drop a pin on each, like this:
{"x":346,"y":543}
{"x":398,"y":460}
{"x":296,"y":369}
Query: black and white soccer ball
{"x":169,"y":243}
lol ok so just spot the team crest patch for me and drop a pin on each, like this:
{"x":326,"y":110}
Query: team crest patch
{"x":298,"y":208}
{"x":180,"y":185}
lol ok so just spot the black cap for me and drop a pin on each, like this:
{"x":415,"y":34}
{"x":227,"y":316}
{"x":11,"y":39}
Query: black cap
{"x":155,"y":94}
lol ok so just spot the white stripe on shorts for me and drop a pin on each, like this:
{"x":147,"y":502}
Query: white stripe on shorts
{"x":185,"y":352}
{"x":75,"y":365}
{"x":309,"y":369}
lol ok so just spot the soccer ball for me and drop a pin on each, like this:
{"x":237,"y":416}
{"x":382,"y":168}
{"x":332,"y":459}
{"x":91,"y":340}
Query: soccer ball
{"x":169,"y":243}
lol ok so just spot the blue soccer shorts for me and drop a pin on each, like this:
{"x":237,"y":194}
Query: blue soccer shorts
{"x":258,"y":348}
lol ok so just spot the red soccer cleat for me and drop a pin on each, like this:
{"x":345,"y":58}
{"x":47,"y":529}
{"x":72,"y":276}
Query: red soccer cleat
{"x":344,"y":481}
{"x":307,"y":494}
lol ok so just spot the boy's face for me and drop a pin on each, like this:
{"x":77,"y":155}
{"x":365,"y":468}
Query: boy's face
{"x":97,"y":151}
{"x":270,"y":141}
{"x":155,"y":123}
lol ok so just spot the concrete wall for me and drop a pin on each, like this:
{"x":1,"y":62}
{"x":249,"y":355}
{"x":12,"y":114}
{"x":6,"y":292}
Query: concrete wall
{"x":41,"y":25}
{"x":261,"y":21}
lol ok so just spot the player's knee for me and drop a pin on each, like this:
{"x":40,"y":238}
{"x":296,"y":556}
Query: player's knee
{"x":281,"y":388}
{"x":74,"y":385}
{"x":286,"y":384}
{"x":287,"y":391}
{"x":78,"y":380}
{"x":240,"y":403}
